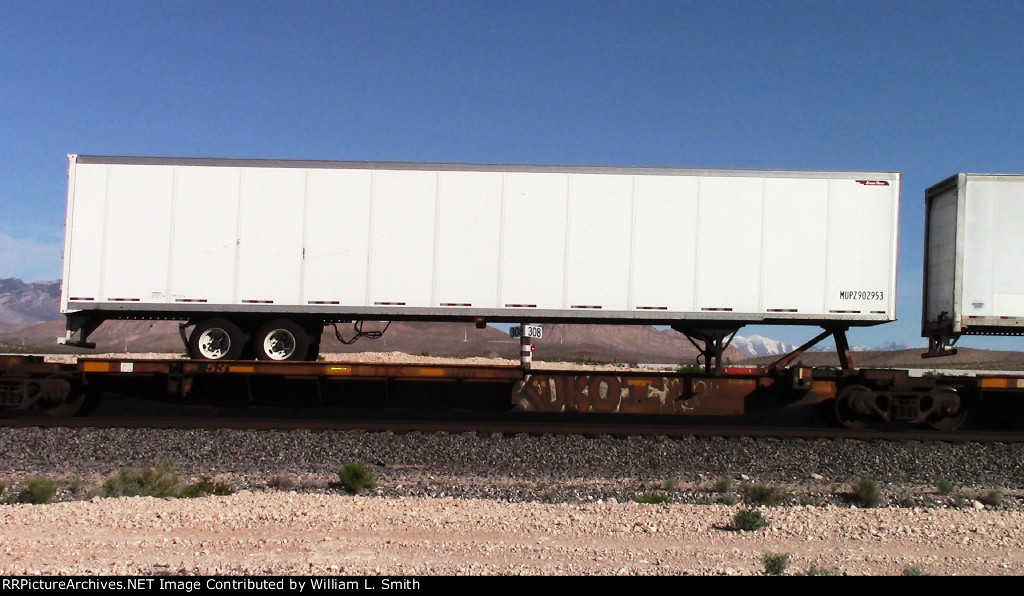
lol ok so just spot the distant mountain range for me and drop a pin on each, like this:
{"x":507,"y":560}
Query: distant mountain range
{"x":24,"y":304}
{"x":29,"y":320}
{"x":758,"y":345}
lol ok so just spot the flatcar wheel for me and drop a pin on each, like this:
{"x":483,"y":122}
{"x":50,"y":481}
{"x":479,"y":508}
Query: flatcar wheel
{"x":951,"y":412}
{"x":216,"y":339}
{"x":948,"y":423}
{"x":59,"y":397}
{"x":281,"y":339}
{"x":850,"y":407}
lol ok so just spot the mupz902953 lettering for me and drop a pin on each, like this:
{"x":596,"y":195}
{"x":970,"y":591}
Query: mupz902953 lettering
{"x":861,"y":295}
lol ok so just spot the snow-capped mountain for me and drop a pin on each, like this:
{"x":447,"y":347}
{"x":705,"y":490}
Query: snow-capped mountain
{"x":759,"y":345}
{"x":891,"y":346}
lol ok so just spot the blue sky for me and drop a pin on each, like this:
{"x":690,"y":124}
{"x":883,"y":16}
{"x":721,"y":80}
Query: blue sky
{"x":925,"y":88}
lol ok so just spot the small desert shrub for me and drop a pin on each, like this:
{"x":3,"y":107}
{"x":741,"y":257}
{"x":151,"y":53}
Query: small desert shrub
{"x":38,"y":490}
{"x":652,"y":499}
{"x":78,"y":485}
{"x":913,"y":571}
{"x":775,"y":563}
{"x":814,"y":570}
{"x":866,"y":493}
{"x":280,"y":482}
{"x":723,"y":485}
{"x":992,"y":498}
{"x":728,"y":499}
{"x":759,"y":494}
{"x":810,"y":501}
{"x":670,"y":484}
{"x":3,"y":488}
{"x":945,"y":487}
{"x":204,"y":488}
{"x":160,"y":480}
{"x":355,"y":477}
{"x":748,"y":520}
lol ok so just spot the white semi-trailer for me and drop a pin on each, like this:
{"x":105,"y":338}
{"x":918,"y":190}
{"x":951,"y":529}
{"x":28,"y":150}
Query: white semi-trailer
{"x":256,"y":256}
{"x":973,"y":279}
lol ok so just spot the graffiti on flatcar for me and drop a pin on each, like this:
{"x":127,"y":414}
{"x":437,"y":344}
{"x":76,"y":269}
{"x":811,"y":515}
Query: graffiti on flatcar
{"x":629,"y":394}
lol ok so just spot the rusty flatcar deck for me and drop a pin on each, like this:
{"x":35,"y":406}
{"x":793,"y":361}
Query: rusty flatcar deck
{"x":355,"y":370}
{"x":854,"y":399}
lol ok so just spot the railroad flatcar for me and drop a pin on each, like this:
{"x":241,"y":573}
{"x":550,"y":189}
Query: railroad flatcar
{"x":255,"y":257}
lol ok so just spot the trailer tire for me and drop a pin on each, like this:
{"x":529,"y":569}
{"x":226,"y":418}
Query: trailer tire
{"x":216,"y":339}
{"x":281,"y":339}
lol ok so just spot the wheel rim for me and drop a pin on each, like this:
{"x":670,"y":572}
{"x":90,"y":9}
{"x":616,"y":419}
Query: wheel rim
{"x":59,"y":399}
{"x":951,"y":413}
{"x":846,"y":410}
{"x":279,"y":344}
{"x":950,"y":422}
{"x":214,"y":343}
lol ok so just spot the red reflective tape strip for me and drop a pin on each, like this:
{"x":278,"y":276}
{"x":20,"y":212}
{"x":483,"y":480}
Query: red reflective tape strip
{"x":456,"y":304}
{"x":257,"y":301}
{"x":584,"y":306}
{"x":652,"y":308}
{"x":390,"y":303}
{"x":520,"y":306}
{"x":190,"y":299}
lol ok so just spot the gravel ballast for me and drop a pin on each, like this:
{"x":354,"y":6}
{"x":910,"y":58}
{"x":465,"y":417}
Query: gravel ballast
{"x":493,"y":504}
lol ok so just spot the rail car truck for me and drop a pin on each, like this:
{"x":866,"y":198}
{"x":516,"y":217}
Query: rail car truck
{"x":257,"y":256}
{"x":973,"y":279}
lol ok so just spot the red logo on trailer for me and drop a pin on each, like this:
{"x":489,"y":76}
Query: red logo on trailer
{"x":873,"y":182}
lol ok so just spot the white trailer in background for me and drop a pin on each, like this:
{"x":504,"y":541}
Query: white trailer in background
{"x":973,"y":278}
{"x":258,"y":255}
